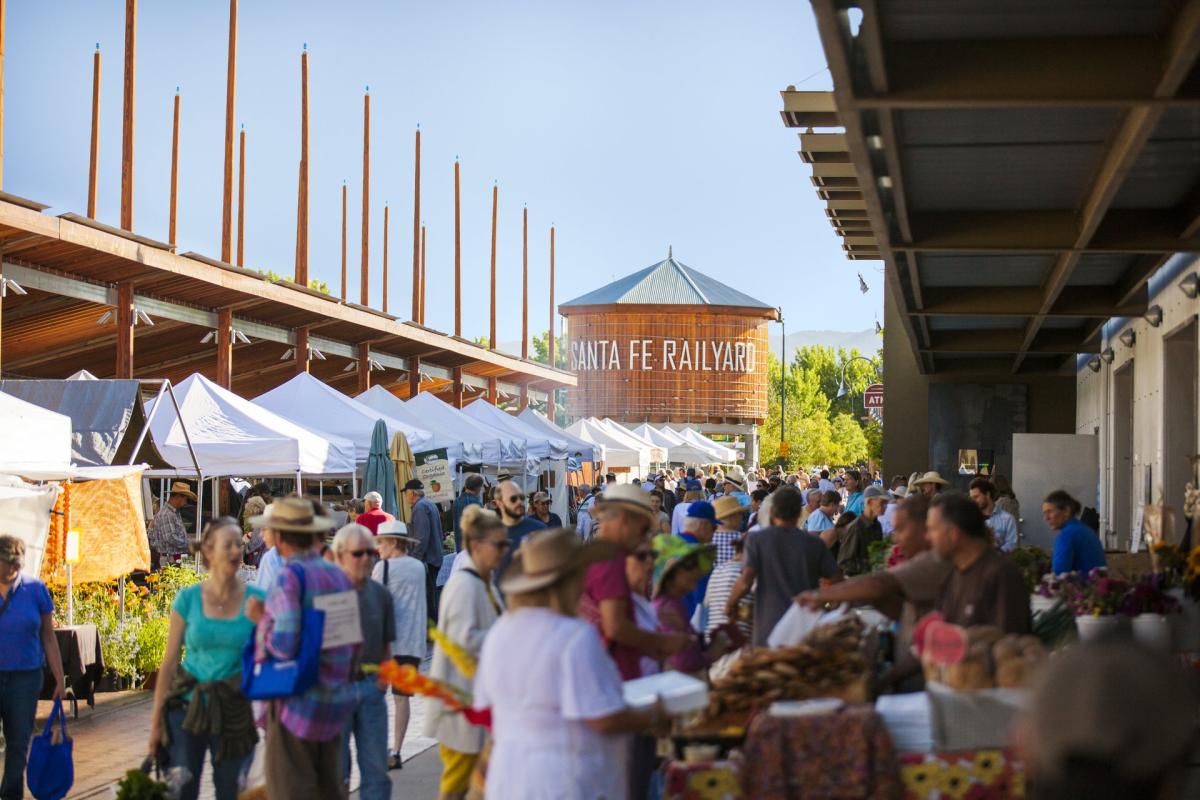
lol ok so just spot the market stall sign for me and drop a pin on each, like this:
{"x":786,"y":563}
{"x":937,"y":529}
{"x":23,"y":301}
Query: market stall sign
{"x":873,"y":396}
{"x":432,"y":468}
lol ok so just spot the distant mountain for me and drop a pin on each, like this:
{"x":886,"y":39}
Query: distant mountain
{"x":867,"y":342}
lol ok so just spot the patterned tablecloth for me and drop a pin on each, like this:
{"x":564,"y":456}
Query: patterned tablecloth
{"x":968,"y":775}
{"x":706,"y":780}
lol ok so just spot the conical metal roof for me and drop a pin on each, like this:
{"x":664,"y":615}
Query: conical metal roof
{"x":669,"y":282}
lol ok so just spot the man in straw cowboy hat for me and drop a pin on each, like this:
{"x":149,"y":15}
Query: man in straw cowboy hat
{"x":303,"y":751}
{"x":929,"y":484}
{"x":168,"y":538}
{"x":557,"y":709}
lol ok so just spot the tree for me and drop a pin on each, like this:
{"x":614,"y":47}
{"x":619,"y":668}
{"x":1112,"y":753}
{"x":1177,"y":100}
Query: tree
{"x":541,"y":349}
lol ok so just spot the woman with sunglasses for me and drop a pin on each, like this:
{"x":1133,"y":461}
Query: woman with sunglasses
{"x":404,"y":578}
{"x":639,"y":569}
{"x":198,"y":705}
{"x":469,"y":607}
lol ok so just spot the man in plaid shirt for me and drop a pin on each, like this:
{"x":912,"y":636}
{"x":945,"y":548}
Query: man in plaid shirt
{"x":303,"y":751}
{"x":729,"y":527}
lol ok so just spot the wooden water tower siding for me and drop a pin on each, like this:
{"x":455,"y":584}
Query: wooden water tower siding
{"x":726,"y":382}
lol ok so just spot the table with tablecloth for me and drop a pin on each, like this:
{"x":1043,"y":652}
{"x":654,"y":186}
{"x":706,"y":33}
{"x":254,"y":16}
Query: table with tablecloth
{"x":82,"y":661}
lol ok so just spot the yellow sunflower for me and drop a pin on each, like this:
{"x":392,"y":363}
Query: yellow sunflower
{"x":1017,"y":788}
{"x":955,"y":781}
{"x":989,"y":765}
{"x":917,"y":778}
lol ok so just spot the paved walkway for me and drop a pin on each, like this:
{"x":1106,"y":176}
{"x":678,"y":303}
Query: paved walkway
{"x":112,"y":738}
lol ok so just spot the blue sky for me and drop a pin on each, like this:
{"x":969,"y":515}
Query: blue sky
{"x":630,"y":125}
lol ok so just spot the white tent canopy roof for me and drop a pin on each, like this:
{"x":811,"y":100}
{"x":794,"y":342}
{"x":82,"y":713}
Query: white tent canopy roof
{"x":459,"y":446}
{"x":617,"y":453}
{"x":722,"y":453}
{"x":538,"y":444}
{"x":679,"y":450}
{"x":498,"y":446}
{"x":710,"y":454}
{"x":232,"y":436}
{"x":589,"y":450}
{"x":656,"y":453}
{"x":34,"y":437}
{"x":323,"y":409}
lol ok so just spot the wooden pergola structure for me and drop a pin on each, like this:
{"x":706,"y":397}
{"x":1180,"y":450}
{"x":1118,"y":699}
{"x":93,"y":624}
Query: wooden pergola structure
{"x":1021,"y":171}
{"x":125,"y":306}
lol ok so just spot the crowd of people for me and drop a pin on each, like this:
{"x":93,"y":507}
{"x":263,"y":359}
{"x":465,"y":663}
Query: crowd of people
{"x":675,"y":572}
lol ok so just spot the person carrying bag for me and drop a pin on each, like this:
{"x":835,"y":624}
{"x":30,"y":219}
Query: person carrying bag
{"x":51,"y":770}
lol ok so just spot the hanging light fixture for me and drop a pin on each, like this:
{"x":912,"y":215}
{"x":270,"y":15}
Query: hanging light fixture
{"x":1190,"y":285}
{"x":1107,"y":355}
{"x":1128,"y":337}
{"x":1094,"y":363}
{"x":105,"y":317}
{"x":1154,"y":315}
{"x":9,"y":283}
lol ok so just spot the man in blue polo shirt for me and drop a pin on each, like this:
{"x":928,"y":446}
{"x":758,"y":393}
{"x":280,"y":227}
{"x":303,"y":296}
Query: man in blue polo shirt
{"x":698,"y":528}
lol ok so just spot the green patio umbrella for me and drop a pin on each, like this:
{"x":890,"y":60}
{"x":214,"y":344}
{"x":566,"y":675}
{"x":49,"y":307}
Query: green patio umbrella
{"x":380,"y":475}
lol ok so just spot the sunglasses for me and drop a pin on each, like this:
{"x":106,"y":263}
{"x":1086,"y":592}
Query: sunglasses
{"x":358,"y":553}
{"x":514,"y":498}
{"x":644,"y":555}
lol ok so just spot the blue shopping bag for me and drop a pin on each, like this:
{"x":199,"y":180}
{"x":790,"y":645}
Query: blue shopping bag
{"x":277,"y":678}
{"x":51,"y":770}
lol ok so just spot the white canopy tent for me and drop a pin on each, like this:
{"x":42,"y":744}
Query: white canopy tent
{"x":459,"y":445}
{"x":589,"y":450}
{"x":498,"y":446}
{"x":323,"y":409}
{"x":617,"y":453}
{"x":658,"y":454}
{"x":233,"y":436}
{"x":34,"y":437}
{"x":710,"y":455}
{"x":538,"y":444}
{"x":679,"y":450}
{"x":722,"y":453}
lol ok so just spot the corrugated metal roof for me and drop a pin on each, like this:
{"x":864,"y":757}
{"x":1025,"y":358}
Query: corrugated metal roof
{"x":668,"y":282}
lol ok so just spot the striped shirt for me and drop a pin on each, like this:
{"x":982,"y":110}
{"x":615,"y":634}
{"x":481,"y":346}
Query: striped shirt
{"x":320,"y":713}
{"x":723,"y":541}
{"x":720,"y":585}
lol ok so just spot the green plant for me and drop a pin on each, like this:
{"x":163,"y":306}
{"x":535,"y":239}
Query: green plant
{"x":878,"y":553}
{"x":1034,"y":563}
{"x":137,"y":785}
{"x":151,"y":638}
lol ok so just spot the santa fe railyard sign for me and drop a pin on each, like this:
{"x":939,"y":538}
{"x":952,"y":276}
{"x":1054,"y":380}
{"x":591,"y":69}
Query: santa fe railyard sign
{"x":675,"y":355}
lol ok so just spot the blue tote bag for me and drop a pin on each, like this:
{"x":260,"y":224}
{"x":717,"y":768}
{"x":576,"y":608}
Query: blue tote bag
{"x":275,"y":678}
{"x":51,"y":770}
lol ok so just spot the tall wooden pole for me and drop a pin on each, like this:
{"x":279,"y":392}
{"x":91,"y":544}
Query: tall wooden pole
{"x":492,"y":326}
{"x":127,"y":117}
{"x":457,"y":254}
{"x":421,"y":305}
{"x":227,"y":192}
{"x":241,"y":211}
{"x":302,"y":190}
{"x":385,"y":257}
{"x":173,"y":208}
{"x":525,"y":282}
{"x":366,"y":199}
{"x":550,"y":343}
{"x":225,"y":348}
{"x":94,"y":153}
{"x":1,"y":92}
{"x":343,"y":240}
{"x":125,"y":322}
{"x":417,"y":232}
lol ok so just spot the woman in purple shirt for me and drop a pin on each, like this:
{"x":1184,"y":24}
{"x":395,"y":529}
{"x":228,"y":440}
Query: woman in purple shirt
{"x":26,"y":643}
{"x":678,"y":568}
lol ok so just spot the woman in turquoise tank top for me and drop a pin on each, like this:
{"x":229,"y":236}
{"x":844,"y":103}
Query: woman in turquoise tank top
{"x":209,"y":626}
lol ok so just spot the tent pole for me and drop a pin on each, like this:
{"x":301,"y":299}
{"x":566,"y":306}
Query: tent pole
{"x":199,"y":513}
{"x":150,"y":418}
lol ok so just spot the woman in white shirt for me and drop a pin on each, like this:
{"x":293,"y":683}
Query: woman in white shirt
{"x":404,"y":578}
{"x":468,"y":609}
{"x":558,"y":714}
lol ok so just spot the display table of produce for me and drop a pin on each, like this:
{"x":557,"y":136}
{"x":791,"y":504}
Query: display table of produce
{"x":979,"y":775}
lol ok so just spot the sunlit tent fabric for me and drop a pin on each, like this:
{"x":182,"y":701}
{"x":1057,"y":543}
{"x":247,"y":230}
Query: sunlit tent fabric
{"x":498,"y":447}
{"x":323,"y":409}
{"x":589,"y":450}
{"x":657,"y":454}
{"x":538,"y":444}
{"x":379,"y":475}
{"x":232,"y":436}
{"x":25,"y":509}
{"x":112,"y":529}
{"x":710,"y":454}
{"x":616,"y":452}
{"x":459,"y":446}
{"x":679,"y":451}
{"x":107,"y":418}
{"x":33,"y":437}
{"x":721,"y":451}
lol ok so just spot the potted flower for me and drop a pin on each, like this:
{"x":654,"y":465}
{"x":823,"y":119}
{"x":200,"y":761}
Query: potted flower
{"x":1097,"y":604}
{"x":1148,"y":604}
{"x":1180,"y":571}
{"x":1054,"y":589}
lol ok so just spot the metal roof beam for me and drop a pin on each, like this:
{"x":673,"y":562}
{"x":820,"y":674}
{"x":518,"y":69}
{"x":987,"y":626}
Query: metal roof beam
{"x":1023,"y":301}
{"x":1009,"y":340}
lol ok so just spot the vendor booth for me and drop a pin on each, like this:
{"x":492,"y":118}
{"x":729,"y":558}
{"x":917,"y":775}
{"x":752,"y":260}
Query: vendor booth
{"x":33,"y":437}
{"x":721,"y":453}
{"x":459,"y":447}
{"x":499,"y":448}
{"x":679,"y":450}
{"x":619,"y":456}
{"x":658,"y":455}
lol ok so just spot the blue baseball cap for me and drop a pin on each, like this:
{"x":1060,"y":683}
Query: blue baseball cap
{"x":693,"y":485}
{"x":702,"y":509}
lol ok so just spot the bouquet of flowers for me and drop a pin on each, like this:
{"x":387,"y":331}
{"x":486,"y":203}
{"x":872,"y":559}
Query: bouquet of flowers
{"x":1100,"y":595}
{"x":1178,"y":568}
{"x":1148,"y":596}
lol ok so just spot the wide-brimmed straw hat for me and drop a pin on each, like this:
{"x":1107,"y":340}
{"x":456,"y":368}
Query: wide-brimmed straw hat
{"x":671,"y":551}
{"x":181,"y":487}
{"x":629,"y":496}
{"x":547,"y":556}
{"x":727,"y":506}
{"x":931,"y":477}
{"x":292,"y":514}
{"x":395,"y":529}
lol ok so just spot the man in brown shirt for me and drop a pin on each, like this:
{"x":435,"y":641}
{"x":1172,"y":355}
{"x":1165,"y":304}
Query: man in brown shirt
{"x":985,"y":588}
